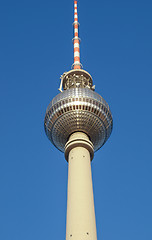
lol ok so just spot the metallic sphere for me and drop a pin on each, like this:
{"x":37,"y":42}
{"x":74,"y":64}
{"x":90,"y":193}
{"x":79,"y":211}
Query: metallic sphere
{"x":78,"y":109}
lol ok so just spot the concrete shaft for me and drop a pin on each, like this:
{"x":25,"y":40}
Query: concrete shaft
{"x":81,"y":223}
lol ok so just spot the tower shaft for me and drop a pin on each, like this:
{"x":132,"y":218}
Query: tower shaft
{"x":80,"y":204}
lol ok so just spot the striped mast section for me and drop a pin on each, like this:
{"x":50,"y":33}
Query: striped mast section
{"x":76,"y":39}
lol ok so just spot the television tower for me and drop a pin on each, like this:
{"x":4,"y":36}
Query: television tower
{"x":78,"y":122}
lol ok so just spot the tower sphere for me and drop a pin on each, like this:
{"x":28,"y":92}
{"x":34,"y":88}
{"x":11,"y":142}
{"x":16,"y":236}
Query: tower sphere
{"x":78,"y":108}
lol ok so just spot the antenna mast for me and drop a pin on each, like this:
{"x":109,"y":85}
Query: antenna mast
{"x":76,"y":39}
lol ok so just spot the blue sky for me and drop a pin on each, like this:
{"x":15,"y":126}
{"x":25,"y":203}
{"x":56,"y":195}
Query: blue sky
{"x":35,"y":49}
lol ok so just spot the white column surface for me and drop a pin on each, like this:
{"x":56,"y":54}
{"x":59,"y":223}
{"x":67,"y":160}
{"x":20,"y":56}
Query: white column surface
{"x":81,"y":223}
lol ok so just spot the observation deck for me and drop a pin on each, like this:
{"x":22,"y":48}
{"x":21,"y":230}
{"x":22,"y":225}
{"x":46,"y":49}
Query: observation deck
{"x":78,"y":108}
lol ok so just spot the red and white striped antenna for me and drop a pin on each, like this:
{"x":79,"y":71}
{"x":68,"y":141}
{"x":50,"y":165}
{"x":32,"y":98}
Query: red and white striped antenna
{"x":76,"y":39}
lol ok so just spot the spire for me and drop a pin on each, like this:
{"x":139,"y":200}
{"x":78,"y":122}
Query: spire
{"x":76,"y":40}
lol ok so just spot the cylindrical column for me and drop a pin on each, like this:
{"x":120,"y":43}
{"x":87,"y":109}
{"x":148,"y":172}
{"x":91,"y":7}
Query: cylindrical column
{"x":81,"y":223}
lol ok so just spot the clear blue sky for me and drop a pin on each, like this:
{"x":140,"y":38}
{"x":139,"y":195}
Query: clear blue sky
{"x":35,"y":49}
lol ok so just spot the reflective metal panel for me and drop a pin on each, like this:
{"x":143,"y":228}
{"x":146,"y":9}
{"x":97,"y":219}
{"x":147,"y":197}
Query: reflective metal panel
{"x":78,"y":109}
